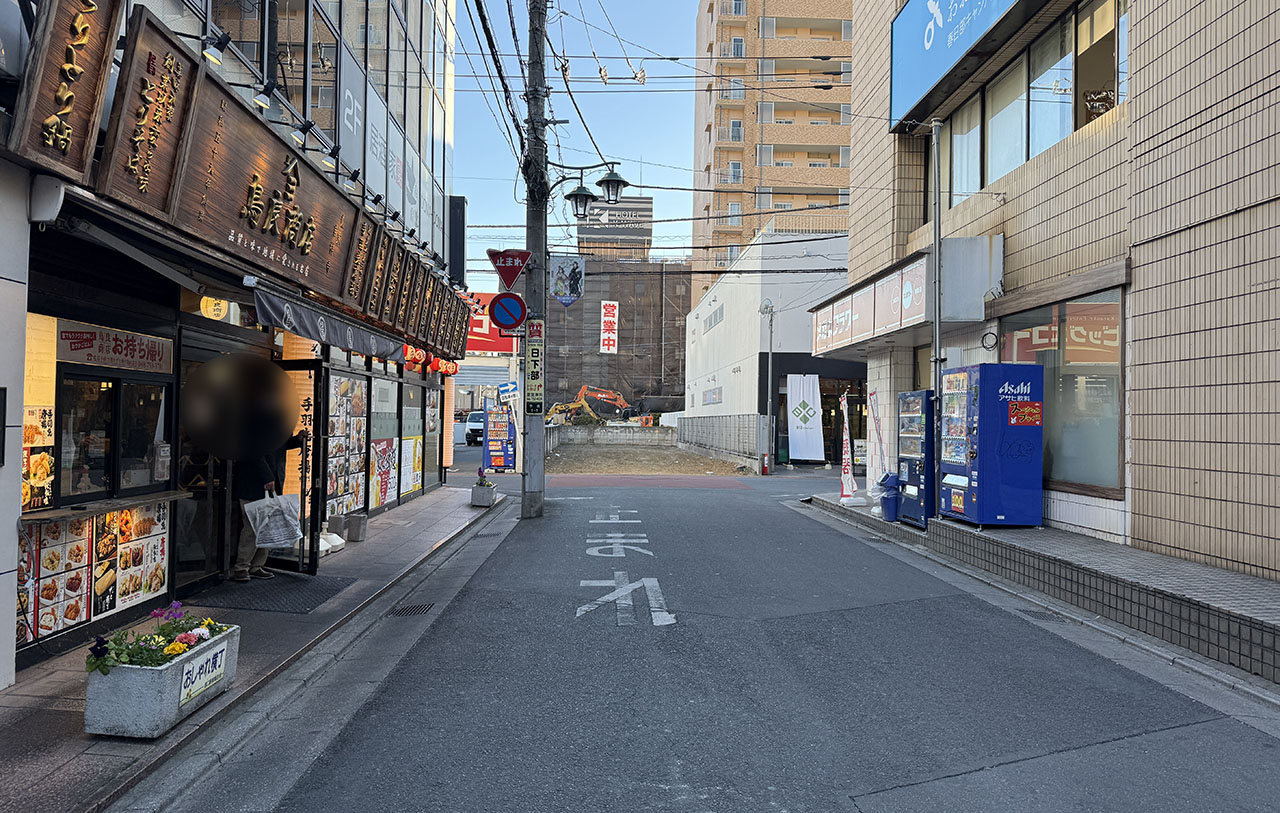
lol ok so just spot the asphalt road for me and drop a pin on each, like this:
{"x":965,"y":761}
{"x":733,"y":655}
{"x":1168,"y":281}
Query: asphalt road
{"x":734,"y":654}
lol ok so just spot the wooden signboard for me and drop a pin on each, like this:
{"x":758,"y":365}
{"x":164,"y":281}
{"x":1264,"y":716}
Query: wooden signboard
{"x":440,"y":291}
{"x":457,"y":324}
{"x":356,"y":284}
{"x":413,"y":324}
{"x":428,"y":302}
{"x":395,"y":279}
{"x":245,"y":191}
{"x":378,"y":273}
{"x":404,"y":305}
{"x":157,"y":84}
{"x":57,"y":113}
{"x":462,"y":326}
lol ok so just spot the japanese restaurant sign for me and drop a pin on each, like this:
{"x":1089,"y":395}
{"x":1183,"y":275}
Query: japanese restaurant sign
{"x":357,"y":277}
{"x":79,"y":343}
{"x":862,"y":304}
{"x":153,"y":100}
{"x":914,"y":309}
{"x":56,"y":117}
{"x":247,"y":192}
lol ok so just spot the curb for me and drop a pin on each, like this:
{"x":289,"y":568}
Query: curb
{"x":1125,"y":635}
{"x":110,"y":796}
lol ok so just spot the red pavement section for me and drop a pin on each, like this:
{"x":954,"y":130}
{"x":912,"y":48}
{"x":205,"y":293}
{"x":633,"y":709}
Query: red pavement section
{"x":644,"y":481}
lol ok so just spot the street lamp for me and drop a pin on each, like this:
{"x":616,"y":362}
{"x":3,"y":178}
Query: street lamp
{"x":581,"y":199}
{"x":612,"y":184}
{"x":766,"y":309}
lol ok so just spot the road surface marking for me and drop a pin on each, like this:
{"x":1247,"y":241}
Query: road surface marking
{"x":614,"y":545}
{"x":615,"y":516}
{"x":621,"y":594}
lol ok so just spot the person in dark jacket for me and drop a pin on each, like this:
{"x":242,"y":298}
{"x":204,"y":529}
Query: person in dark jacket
{"x":251,"y":480}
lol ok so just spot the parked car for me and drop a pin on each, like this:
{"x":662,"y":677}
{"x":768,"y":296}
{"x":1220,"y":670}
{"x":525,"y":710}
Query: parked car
{"x":475,"y":428}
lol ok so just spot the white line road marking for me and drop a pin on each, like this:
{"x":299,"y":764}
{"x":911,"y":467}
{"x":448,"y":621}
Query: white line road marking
{"x":615,"y":545}
{"x":553,"y":499}
{"x":614,"y":516}
{"x":621,"y":594}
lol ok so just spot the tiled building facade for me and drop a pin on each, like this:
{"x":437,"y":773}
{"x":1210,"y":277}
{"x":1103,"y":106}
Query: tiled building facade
{"x":1126,"y":154}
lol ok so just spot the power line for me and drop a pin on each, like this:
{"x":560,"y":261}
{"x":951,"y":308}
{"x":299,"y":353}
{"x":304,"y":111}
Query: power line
{"x":503,"y":126}
{"x":497,"y":64}
{"x":569,"y":91}
{"x":515,"y":39}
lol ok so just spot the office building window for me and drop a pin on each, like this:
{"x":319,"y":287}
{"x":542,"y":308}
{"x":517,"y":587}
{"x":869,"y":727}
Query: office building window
{"x":287,"y":52}
{"x":1052,"y":58}
{"x":324,"y":78}
{"x":354,"y":31}
{"x":1079,"y":343}
{"x":1096,"y":62}
{"x":242,"y":19}
{"x":1006,"y":98}
{"x":966,"y":150}
{"x":396,"y":84}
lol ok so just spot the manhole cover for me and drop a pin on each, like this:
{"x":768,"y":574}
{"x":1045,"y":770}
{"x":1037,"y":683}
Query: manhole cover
{"x":1043,"y":615}
{"x":411,"y":609}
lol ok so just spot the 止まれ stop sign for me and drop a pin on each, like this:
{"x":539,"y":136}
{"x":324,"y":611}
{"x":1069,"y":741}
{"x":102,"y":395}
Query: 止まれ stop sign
{"x":507,"y":311}
{"x":508,"y":264}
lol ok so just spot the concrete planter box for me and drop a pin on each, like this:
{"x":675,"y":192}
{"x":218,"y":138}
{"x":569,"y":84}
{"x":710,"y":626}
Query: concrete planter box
{"x":484,"y":496}
{"x":147,"y":701}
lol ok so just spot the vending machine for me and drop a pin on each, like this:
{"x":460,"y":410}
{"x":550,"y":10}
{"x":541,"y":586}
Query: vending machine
{"x":915,"y":456}
{"x":992,"y":447}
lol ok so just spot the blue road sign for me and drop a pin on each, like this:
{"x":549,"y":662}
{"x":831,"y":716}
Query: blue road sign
{"x":508,"y":391}
{"x":507,"y":311}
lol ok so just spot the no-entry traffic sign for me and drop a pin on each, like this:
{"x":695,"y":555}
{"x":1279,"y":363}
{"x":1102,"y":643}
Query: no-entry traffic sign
{"x":507,"y":311}
{"x":508,"y":264}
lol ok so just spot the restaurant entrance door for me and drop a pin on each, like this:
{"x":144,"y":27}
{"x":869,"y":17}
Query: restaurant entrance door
{"x":203,"y":521}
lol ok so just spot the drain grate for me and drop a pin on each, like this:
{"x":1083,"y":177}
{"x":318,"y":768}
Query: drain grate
{"x":1043,"y":615}
{"x":411,"y":609}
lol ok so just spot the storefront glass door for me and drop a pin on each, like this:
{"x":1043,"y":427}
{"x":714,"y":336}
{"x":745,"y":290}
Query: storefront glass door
{"x":201,"y":522}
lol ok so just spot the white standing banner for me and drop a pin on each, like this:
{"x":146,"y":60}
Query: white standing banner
{"x":609,"y":327}
{"x":804,"y":418}
{"x":848,"y":485}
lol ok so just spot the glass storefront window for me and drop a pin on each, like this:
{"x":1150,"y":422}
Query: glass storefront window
{"x":1096,"y":61}
{"x":431,"y":438}
{"x":143,"y":428}
{"x":966,"y":150}
{"x":384,"y":444}
{"x":88,"y":407}
{"x":1007,"y":120}
{"x":396,"y":78}
{"x":1052,"y":58}
{"x":1079,"y":343}
{"x":354,"y":29}
{"x":324,"y":79}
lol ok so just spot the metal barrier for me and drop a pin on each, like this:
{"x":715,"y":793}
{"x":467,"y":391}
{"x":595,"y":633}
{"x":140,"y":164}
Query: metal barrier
{"x":744,"y":436}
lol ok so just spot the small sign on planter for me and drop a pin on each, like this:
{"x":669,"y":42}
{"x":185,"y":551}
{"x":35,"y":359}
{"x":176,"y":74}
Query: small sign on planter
{"x":200,"y":674}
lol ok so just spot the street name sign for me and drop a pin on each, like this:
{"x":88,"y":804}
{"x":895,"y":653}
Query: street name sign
{"x":508,"y":391}
{"x":534,"y":384}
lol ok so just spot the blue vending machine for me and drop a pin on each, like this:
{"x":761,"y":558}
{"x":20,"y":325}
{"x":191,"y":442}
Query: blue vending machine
{"x":992,"y":447}
{"x":915,"y":456}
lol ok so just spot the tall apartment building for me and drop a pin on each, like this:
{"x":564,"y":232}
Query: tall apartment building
{"x":772,"y":123}
{"x":1116,"y":163}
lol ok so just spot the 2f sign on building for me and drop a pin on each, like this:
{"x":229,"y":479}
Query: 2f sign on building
{"x":609,"y":321}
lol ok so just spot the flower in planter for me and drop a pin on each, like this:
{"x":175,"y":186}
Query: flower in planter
{"x":483,"y":482}
{"x":175,"y":632}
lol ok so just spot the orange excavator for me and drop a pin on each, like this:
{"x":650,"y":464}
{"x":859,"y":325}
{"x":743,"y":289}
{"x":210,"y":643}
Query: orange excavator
{"x":571,"y":408}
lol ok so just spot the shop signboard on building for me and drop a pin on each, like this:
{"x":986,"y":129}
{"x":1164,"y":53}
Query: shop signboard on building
{"x":610,"y":320}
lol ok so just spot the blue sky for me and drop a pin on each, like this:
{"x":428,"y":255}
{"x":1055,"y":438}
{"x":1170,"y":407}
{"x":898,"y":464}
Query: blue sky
{"x":630,"y":121}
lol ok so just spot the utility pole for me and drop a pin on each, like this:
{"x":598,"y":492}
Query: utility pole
{"x":537,"y":194}
{"x":766,"y":309}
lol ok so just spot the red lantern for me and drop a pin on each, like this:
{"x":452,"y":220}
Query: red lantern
{"x":435,"y":365}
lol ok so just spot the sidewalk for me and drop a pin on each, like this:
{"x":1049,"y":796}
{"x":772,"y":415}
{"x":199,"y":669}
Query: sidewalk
{"x":1219,"y":614}
{"x":51,"y":764}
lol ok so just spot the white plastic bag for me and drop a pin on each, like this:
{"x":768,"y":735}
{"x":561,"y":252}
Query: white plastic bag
{"x":274,"y":520}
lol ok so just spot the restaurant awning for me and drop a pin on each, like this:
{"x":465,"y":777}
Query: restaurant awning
{"x":313,"y":323}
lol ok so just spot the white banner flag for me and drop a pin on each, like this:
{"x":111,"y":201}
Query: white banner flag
{"x":804,"y":418}
{"x":609,"y":327}
{"x":848,"y":485}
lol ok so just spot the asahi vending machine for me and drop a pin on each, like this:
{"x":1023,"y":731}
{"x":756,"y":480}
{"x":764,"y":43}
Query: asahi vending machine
{"x":992,"y":446}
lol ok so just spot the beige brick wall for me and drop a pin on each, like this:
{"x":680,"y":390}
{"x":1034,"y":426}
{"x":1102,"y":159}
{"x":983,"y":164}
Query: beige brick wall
{"x":1205,"y":377}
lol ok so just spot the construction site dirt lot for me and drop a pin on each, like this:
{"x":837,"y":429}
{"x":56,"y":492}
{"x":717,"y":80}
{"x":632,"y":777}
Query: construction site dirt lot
{"x":604,"y":459}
